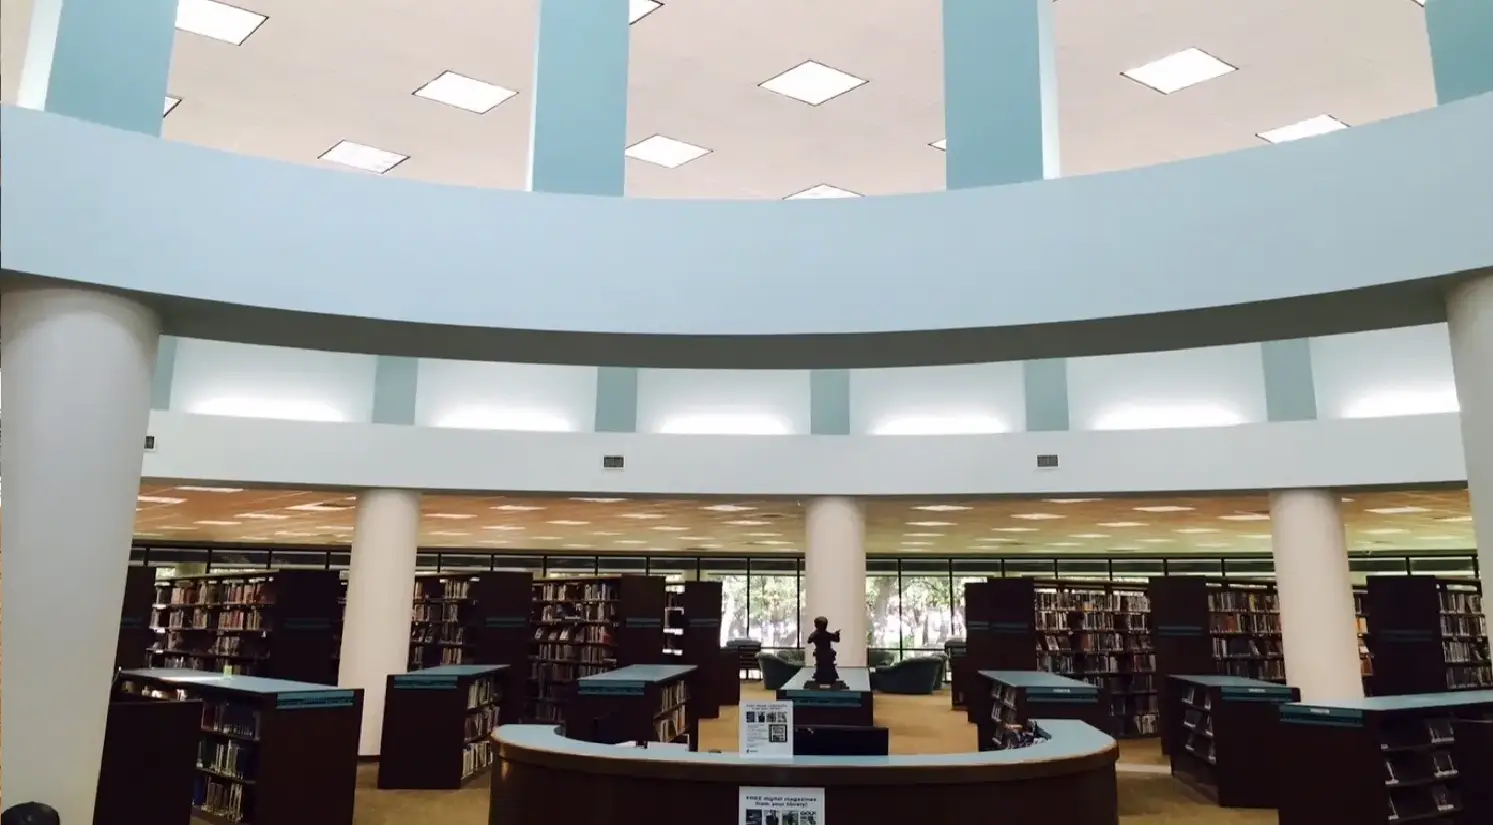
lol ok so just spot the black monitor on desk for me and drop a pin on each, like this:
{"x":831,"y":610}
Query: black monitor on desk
{"x":840,"y":740}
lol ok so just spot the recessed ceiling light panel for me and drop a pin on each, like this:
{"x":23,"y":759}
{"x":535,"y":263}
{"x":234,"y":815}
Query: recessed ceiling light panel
{"x":942,"y":144}
{"x":159,"y":500}
{"x":1176,"y":72}
{"x":464,"y":92}
{"x":219,"y":21}
{"x":930,"y":524}
{"x":1311,"y":127}
{"x":665,"y":151}
{"x":170,"y":104}
{"x":822,"y":192}
{"x":813,"y":83}
{"x":367,"y":158}
{"x":1163,"y":508}
{"x":1037,"y":516}
{"x":1385,"y":511}
{"x":638,"y":9}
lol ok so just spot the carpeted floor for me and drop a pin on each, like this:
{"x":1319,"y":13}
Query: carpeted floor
{"x":919,"y":724}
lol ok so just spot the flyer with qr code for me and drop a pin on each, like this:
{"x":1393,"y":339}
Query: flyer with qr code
{"x":780,"y":806}
{"x":766,"y":729}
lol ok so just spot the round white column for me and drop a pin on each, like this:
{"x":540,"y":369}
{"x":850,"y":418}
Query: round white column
{"x":1319,"y":627}
{"x":835,"y":574}
{"x":376,"y":624}
{"x":77,"y":372}
{"x":1469,"y":314}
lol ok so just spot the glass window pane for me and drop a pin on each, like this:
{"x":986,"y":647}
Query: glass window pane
{"x":883,"y":604}
{"x":292,"y":559}
{"x":522,"y":564}
{"x":927,"y":612}
{"x":465,"y":562}
{"x":773,"y":607}
{"x":674,"y":570}
{"x":1194,"y":567}
{"x":341,"y":560}
{"x":613,"y":565}
{"x":426,"y":562}
{"x":1136,"y":570}
{"x":567,"y":567}
{"x":1089,"y":569}
{"x":1034,"y":568}
{"x":1448,"y":566}
{"x":241,"y":561}
{"x":1259,"y":568}
{"x":177,"y":561}
{"x":731,"y":573}
{"x":137,"y":556}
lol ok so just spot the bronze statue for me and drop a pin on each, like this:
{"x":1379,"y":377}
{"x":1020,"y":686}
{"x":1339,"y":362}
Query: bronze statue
{"x":825,"y":674}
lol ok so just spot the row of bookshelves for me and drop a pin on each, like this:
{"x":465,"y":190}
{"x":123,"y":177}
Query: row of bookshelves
{"x":215,"y":591}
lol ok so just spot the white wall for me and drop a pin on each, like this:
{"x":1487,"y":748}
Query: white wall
{"x":1211,"y":386}
{"x":213,"y":377}
{"x":499,"y":396}
{"x":723,"y":401}
{"x":1404,"y":371}
{"x":1324,"y":453}
{"x":971,"y":398}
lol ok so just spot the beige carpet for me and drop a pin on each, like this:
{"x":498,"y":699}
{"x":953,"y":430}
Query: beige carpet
{"x":919,"y":724}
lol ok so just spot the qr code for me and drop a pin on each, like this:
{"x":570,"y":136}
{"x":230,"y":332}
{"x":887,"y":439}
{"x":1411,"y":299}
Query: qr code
{"x":777,"y":733}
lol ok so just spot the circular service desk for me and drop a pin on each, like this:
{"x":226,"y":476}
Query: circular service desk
{"x":542,"y":778}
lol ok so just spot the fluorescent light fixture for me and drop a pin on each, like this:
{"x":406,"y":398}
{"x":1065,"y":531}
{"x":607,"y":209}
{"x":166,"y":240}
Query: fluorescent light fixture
{"x":942,"y":508}
{"x":1070,"y":500}
{"x":670,"y":528}
{"x":503,"y":418}
{"x":464,"y":92}
{"x":1168,"y":417}
{"x":492,"y":541}
{"x":638,"y":9}
{"x":940,"y":425}
{"x":1311,"y":127}
{"x":1397,"y":511}
{"x":219,"y":21}
{"x":1037,"y":516}
{"x":748,"y":522}
{"x":1122,"y":524}
{"x":171,"y":103}
{"x":294,"y":534}
{"x":1265,"y":536}
{"x":175,"y":527}
{"x":630,"y":541}
{"x":1176,"y":72}
{"x":1089,"y":536}
{"x":594,"y":500}
{"x":1423,"y":402}
{"x":728,"y":508}
{"x":1455,"y":519}
{"x":822,"y":192}
{"x":727,"y":424}
{"x":812,"y":82}
{"x":262,"y":517}
{"x":567,"y":522}
{"x":504,"y":527}
{"x":694,"y":538}
{"x":771,"y":541}
{"x":195,"y":489}
{"x":1212,"y":545}
{"x":546,"y":538}
{"x":763,"y":535}
{"x":452,"y":516}
{"x":291,"y":409}
{"x":923,"y":535}
{"x":942,"y":144}
{"x":217,"y":523}
{"x":1158,"y":541}
{"x":1066,"y":544}
{"x":1245,"y":517}
{"x":1162,"y":508}
{"x":1438,"y":538}
{"x":1014,"y":529}
{"x":319,"y":508}
{"x":644,"y":516}
{"x":159,"y":500}
{"x":930,"y":524}
{"x":449,"y":533}
{"x":665,"y":151}
{"x":605,"y":533}
{"x":1197,"y":531}
{"x":364,"y":157}
{"x":577,"y":546}
{"x":1385,"y":531}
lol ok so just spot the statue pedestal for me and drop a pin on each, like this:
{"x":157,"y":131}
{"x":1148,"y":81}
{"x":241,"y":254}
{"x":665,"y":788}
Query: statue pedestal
{"x":836,"y":685}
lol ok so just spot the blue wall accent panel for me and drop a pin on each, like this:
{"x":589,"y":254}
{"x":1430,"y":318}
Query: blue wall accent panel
{"x":1046,"y":384}
{"x":829,"y":402}
{"x":616,"y":400}
{"x":105,"y":61}
{"x":1000,"y":92}
{"x":1290,"y":385}
{"x":396,"y":384}
{"x":165,"y":374}
{"x":580,"y":97}
{"x":1461,"y":33}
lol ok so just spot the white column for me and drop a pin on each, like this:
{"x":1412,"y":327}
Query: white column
{"x":1318,"y":625}
{"x":1469,"y":312}
{"x":835,"y":574}
{"x":376,"y":625}
{"x":77,"y":372}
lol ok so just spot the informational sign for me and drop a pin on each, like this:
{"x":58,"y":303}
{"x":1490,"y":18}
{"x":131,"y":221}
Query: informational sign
{"x":781,"y":806}
{"x":767,"y":729}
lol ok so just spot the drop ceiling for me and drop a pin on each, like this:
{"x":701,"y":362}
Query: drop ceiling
{"x":1376,"y":520}
{"x":318,"y":72}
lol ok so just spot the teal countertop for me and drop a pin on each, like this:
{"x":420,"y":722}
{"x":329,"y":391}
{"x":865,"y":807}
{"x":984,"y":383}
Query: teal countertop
{"x":856,"y":679}
{"x":1413,"y":702}
{"x":1070,"y":739}
{"x":640,"y":673}
{"x":1040,"y":680}
{"x":1238,"y":682}
{"x":454,"y":670}
{"x":245,"y":684}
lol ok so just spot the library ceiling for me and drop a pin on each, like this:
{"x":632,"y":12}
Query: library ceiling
{"x":1435,"y":519}
{"x":288,"y":79}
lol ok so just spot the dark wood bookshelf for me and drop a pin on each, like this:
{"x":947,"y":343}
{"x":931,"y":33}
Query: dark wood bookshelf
{"x":474,"y":618}
{"x":135,"y":635}
{"x":275,"y":624}
{"x":1222,"y":734}
{"x":588,"y":626}
{"x":269,"y":751}
{"x":956,"y":650}
{"x":692,"y":636}
{"x":1018,"y":697}
{"x":1426,"y":635}
{"x":1391,"y":759}
{"x":1365,"y":655}
{"x":149,"y":761}
{"x":1097,"y":632}
{"x":637,"y":703}
{"x":437,"y":725}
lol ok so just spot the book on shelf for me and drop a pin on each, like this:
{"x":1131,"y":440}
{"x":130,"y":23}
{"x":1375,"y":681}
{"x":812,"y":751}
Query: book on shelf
{"x":1440,"y":731}
{"x":1442,"y":765}
{"x":1101,"y":634}
{"x":672,"y":719}
{"x":1441,"y":797}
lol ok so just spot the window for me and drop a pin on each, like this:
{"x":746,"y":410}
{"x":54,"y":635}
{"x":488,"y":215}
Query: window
{"x":240,"y":561}
{"x":1454,"y":567}
{"x":568,"y":567}
{"x":773,"y":602}
{"x":927,"y":605}
{"x":294,"y":559}
{"x":465,"y":562}
{"x":731,"y":573}
{"x":674,"y":571}
{"x":1090,"y":569}
{"x":1135,"y":570}
{"x":883,"y":605}
{"x":619,"y":565}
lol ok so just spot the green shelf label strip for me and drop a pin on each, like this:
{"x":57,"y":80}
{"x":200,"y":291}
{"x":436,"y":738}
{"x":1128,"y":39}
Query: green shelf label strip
{"x":610,"y":688}
{"x":306,"y":701}
{"x":415,"y":681}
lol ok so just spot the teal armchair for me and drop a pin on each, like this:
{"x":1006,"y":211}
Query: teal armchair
{"x":777,"y":668}
{"x":916,"y":675}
